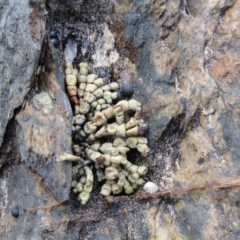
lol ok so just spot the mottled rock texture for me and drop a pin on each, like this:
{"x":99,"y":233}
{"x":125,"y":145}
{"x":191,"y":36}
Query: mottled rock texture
{"x":22,"y":27}
{"x":182,"y":58}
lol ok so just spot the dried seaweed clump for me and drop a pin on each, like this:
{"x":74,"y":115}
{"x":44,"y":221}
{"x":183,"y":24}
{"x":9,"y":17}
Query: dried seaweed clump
{"x":104,"y":131}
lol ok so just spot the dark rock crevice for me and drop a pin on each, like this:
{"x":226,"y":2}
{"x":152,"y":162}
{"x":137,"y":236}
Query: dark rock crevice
{"x":9,"y":150}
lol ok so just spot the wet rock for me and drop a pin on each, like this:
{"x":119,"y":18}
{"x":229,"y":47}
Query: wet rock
{"x":21,"y":38}
{"x":35,"y":202}
{"x":182,"y":59}
{"x":43,"y":135}
{"x":30,"y":176}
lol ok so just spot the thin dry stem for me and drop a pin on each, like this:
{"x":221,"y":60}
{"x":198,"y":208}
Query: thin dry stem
{"x":176,"y":193}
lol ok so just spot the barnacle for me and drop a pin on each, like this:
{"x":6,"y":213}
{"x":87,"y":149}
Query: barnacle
{"x":150,"y":187}
{"x":104,"y":131}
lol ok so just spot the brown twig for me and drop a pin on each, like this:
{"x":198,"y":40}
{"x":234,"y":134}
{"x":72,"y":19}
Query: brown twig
{"x":178,"y":193}
{"x":175,"y":193}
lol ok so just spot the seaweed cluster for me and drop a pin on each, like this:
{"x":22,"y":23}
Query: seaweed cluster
{"x":105,"y":128}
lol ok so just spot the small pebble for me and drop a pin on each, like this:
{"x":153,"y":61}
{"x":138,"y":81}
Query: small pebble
{"x":127,"y":90}
{"x":15,"y":212}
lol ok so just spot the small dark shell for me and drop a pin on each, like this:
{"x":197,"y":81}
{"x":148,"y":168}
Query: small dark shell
{"x":53,"y":34}
{"x":127,"y":90}
{"x":55,"y":42}
{"x":15,"y":211}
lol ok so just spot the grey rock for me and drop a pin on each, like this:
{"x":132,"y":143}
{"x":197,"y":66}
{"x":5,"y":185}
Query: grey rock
{"x":19,"y":50}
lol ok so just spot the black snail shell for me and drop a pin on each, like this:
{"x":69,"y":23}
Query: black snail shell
{"x":15,"y":211}
{"x":55,"y":42}
{"x":52,"y":34}
{"x":127,"y":90}
{"x":54,"y":38}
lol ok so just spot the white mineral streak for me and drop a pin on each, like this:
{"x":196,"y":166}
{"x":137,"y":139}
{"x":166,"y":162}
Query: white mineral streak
{"x":103,"y":47}
{"x":3,"y":196}
{"x":166,"y":181}
{"x":67,"y":157}
{"x":70,"y":51}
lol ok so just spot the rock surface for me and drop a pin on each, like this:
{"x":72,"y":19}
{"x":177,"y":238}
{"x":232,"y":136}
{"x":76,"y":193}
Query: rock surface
{"x":182,"y":58}
{"x":22,"y":29}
